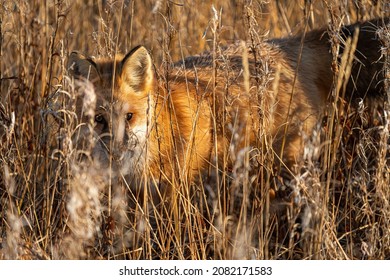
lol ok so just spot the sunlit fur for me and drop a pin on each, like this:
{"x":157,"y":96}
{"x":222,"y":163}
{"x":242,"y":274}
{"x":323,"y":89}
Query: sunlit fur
{"x":183,"y":126}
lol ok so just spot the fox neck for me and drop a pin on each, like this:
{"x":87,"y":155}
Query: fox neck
{"x":178,"y":124}
{"x":165,"y":138}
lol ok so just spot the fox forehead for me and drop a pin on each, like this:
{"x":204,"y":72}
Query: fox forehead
{"x":121,"y":103}
{"x":113,"y":95}
{"x":111,"y":83}
{"x":114,"y":108}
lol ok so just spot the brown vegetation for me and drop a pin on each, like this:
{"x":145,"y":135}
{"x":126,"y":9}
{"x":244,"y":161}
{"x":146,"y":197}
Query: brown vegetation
{"x":55,"y":206}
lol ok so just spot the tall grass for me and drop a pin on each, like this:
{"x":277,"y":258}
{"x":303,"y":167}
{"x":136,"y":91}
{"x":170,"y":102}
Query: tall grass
{"x":53,"y":205}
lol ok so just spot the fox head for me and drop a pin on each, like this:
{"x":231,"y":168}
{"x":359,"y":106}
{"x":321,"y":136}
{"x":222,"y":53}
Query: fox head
{"x":123,"y":108}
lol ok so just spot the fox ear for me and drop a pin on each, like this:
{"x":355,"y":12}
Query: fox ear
{"x":137,"y":69}
{"x":81,"y":66}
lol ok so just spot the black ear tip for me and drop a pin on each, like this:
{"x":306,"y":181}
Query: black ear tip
{"x":79,"y":65}
{"x":135,"y":50}
{"x":72,"y":61}
{"x":76,"y":55}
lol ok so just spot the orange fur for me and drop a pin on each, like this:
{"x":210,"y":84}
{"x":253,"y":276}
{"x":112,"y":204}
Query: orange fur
{"x":177,"y":129}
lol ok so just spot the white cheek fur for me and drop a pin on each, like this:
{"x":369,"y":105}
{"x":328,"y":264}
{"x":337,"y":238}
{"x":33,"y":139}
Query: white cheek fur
{"x":140,"y":131}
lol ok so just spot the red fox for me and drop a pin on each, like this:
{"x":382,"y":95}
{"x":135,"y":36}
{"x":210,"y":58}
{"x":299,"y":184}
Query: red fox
{"x":175,"y":129}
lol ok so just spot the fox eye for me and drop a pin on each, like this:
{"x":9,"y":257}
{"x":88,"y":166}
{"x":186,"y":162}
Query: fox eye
{"x":99,"y":118}
{"x":129,"y":116}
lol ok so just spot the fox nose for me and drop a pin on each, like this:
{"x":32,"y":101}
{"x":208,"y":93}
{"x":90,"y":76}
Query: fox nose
{"x":119,"y":146}
{"x":117,"y":154}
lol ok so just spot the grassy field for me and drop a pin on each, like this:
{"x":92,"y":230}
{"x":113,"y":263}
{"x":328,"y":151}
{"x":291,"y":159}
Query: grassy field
{"x":54,"y":206}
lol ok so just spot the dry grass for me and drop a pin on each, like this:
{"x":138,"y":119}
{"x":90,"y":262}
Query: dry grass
{"x":55,"y":206}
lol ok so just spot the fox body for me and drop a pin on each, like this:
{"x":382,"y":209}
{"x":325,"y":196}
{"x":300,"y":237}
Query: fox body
{"x":172,"y":129}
